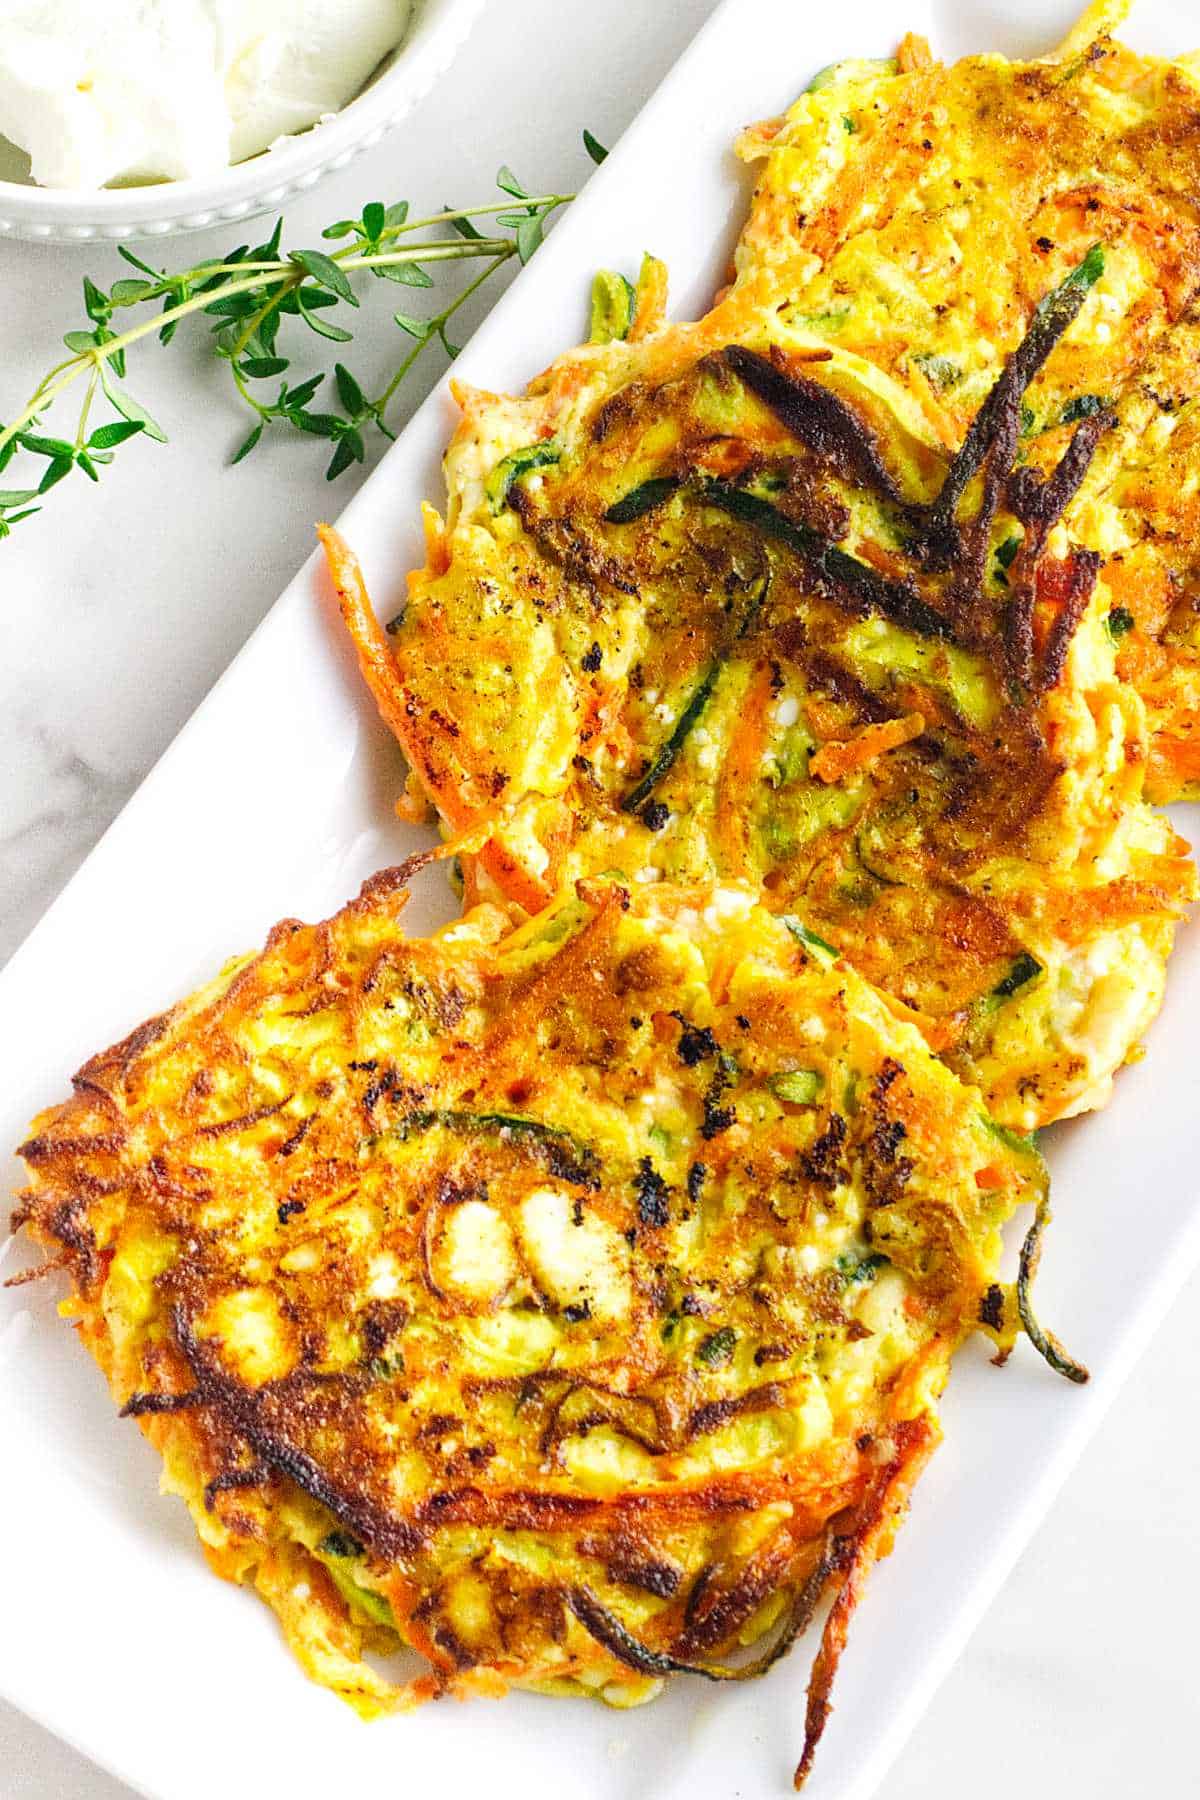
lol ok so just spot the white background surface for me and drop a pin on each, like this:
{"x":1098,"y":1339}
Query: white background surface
{"x":120,"y":606}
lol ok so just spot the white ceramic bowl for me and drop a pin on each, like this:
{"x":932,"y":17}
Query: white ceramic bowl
{"x":69,"y":215}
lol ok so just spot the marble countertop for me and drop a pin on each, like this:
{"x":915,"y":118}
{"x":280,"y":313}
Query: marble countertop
{"x":122,"y":605}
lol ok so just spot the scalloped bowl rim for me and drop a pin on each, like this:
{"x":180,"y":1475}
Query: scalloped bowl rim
{"x":68,"y":215}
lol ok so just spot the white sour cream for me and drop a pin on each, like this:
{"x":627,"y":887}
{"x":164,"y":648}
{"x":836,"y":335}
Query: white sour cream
{"x":134,"y":89}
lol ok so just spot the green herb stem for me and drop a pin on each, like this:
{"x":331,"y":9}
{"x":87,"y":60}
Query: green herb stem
{"x":251,"y":295}
{"x":438,"y":325}
{"x":85,"y":409}
{"x":101,"y":353}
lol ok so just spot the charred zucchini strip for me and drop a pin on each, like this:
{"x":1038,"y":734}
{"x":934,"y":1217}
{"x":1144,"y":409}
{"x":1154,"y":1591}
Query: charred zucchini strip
{"x":642,"y":499}
{"x":514,"y":467}
{"x":1043,"y":1341}
{"x":1024,"y":969}
{"x":817,"y":416}
{"x":617,"y":1638}
{"x":684,"y":724}
{"x":999,"y":416}
{"x":562,"y":1154}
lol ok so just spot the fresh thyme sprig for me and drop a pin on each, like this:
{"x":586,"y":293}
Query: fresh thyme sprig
{"x":250,"y":295}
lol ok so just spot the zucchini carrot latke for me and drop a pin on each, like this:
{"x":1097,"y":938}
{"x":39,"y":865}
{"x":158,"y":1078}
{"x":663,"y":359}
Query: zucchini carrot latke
{"x":871,"y":587}
{"x":569,"y":1304}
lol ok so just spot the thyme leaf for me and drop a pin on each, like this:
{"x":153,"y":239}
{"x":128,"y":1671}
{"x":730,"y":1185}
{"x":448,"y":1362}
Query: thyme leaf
{"x":252,"y":298}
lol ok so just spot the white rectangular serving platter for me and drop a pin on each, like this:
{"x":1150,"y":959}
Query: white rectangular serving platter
{"x":276,"y":800}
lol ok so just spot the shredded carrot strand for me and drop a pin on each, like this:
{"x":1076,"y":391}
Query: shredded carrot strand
{"x":835,"y":760}
{"x":399,"y":714}
{"x":883,"y":1513}
{"x":740,"y":775}
{"x":867,"y":172}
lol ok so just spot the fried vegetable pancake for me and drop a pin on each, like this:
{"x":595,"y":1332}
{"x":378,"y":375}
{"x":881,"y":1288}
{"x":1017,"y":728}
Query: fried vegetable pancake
{"x":569,"y":1306}
{"x":705,"y":606}
{"x":911,"y":214}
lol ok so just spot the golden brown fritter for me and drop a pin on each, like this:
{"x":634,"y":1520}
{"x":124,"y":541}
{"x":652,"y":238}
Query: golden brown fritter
{"x":910,"y":214}
{"x":704,"y":607}
{"x":569,"y":1305}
